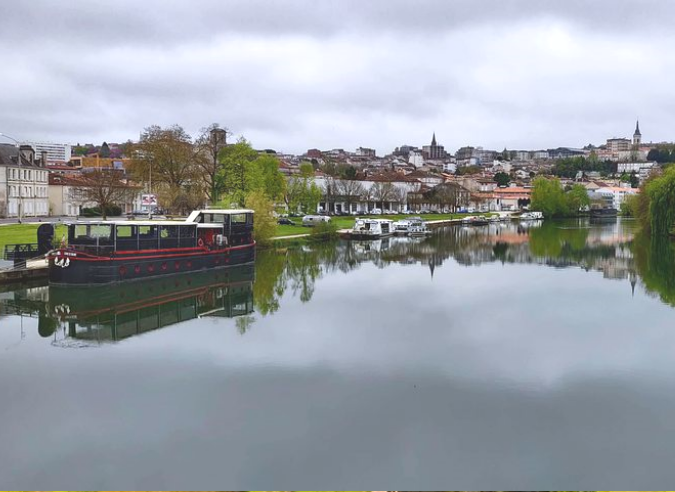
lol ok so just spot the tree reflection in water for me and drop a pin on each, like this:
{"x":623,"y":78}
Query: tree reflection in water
{"x":116,"y":312}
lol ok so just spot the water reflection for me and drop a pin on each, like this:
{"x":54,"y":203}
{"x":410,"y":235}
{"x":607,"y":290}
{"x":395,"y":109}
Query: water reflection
{"x":84,"y":316}
{"x":605,"y":247}
{"x":108,"y":314}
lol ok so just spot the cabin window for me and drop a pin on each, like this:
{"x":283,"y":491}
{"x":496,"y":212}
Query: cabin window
{"x":147,"y":237}
{"x":91,"y":234}
{"x":238,"y":219}
{"x":169,"y":236}
{"x":187,"y":236}
{"x":126,"y":238}
{"x":217,"y":218}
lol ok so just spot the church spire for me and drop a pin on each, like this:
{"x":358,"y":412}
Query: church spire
{"x":433,"y":140}
{"x":637,"y":128}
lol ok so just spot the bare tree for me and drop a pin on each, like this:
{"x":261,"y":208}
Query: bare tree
{"x":450,"y":195}
{"x":209,"y":143}
{"x":105,"y":188}
{"x":382,"y":192}
{"x":350,"y":190}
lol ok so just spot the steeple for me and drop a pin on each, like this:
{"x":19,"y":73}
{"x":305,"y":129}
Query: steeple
{"x":637,"y":136}
{"x":433,"y":140}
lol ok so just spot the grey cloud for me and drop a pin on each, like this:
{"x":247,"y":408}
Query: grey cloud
{"x":295,"y":75}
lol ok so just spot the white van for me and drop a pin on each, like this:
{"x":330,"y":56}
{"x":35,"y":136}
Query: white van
{"x":312,"y":220}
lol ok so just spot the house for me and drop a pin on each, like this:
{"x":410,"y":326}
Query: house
{"x":23,"y":182}
{"x":615,"y":195}
{"x":513,"y":197}
{"x":67,"y":196}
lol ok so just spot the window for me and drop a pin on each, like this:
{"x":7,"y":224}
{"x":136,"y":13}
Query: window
{"x":124,"y":231}
{"x":238,"y":218}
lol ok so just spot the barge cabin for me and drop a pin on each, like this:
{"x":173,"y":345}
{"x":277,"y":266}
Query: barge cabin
{"x":112,"y":251}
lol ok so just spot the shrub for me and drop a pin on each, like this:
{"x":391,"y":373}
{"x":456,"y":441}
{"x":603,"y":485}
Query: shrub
{"x":324,"y":231}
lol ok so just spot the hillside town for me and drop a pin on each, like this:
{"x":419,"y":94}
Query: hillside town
{"x":40,"y":179}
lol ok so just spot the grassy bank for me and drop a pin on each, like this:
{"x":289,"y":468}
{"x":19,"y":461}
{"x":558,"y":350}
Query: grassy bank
{"x":348,"y":222}
{"x":24,"y":233}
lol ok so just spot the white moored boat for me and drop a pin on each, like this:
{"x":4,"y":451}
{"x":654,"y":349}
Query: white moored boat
{"x":412,"y":226}
{"x":532,"y":216}
{"x":372,"y":228}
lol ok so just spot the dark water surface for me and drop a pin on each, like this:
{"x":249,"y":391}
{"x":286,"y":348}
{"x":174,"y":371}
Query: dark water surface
{"x":479,"y":358}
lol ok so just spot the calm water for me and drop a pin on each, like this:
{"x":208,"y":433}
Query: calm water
{"x":479,"y":358}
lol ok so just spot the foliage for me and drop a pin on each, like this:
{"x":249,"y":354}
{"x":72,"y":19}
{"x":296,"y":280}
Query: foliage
{"x":569,"y":167}
{"x":662,"y":154}
{"x":630,"y":205}
{"x":324,"y":231}
{"x":264,"y":222}
{"x":462,"y":170}
{"x":110,"y":210}
{"x":105,"y":188}
{"x":502,"y":179}
{"x":166,"y":158}
{"x":577,"y":199}
{"x":549,"y":197}
{"x":660,"y":192}
{"x":243,"y":170}
{"x":301,"y":193}
{"x":210,"y":142}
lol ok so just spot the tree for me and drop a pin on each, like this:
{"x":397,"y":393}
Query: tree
{"x":660,"y":194}
{"x":548,"y":197}
{"x":105,"y":187}
{"x":382,"y":192}
{"x":237,"y":175}
{"x":209,"y":144}
{"x":165,"y":159}
{"x":264,"y":223}
{"x":502,"y":179}
{"x":350,"y":190}
{"x":576,"y":199}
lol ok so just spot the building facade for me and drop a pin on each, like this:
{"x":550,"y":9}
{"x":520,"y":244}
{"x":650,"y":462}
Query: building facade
{"x":24,"y":182}
{"x":56,"y":152}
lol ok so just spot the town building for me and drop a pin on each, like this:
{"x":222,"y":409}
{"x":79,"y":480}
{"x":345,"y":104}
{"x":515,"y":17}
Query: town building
{"x":56,"y":152}
{"x":23,"y":182}
{"x":434,"y":151}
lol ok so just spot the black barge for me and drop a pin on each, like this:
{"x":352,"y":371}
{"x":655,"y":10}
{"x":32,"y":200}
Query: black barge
{"x":104,"y":252}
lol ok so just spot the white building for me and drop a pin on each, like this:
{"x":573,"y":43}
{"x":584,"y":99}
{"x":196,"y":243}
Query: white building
{"x":56,"y":152}
{"x":634,"y":167}
{"x":416,"y":158}
{"x":24,"y":182}
{"x":615,"y":195}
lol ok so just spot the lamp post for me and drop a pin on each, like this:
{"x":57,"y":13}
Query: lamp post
{"x":18,"y":162}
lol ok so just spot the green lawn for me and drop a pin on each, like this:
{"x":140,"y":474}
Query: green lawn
{"x":348,"y":222}
{"x":24,"y":233}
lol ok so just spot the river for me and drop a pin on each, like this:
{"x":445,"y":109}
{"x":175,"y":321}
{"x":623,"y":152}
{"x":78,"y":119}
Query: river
{"x":535,"y":356}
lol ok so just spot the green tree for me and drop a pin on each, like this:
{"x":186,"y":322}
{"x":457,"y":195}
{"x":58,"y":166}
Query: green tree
{"x":548,"y":197}
{"x":661,"y":195}
{"x":502,"y":179}
{"x":238,"y":175}
{"x":264,"y":223}
{"x":576,"y":199}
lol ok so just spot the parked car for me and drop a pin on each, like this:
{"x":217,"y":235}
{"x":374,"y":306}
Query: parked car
{"x":312,"y":220}
{"x":376,"y":211}
{"x":138,"y":214}
{"x":285,"y":221}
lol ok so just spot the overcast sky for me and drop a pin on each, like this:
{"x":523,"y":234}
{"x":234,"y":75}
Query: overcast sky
{"x":293,"y":75}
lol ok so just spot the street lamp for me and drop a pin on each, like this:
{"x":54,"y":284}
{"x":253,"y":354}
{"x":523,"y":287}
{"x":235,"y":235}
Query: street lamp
{"x":9,"y":137}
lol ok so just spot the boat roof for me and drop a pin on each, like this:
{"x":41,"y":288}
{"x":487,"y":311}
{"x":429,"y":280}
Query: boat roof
{"x":231,"y":211}
{"x":131,"y":222}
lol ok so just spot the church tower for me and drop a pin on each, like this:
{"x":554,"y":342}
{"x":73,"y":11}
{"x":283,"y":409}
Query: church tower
{"x":433,"y":140}
{"x":637,"y":136}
